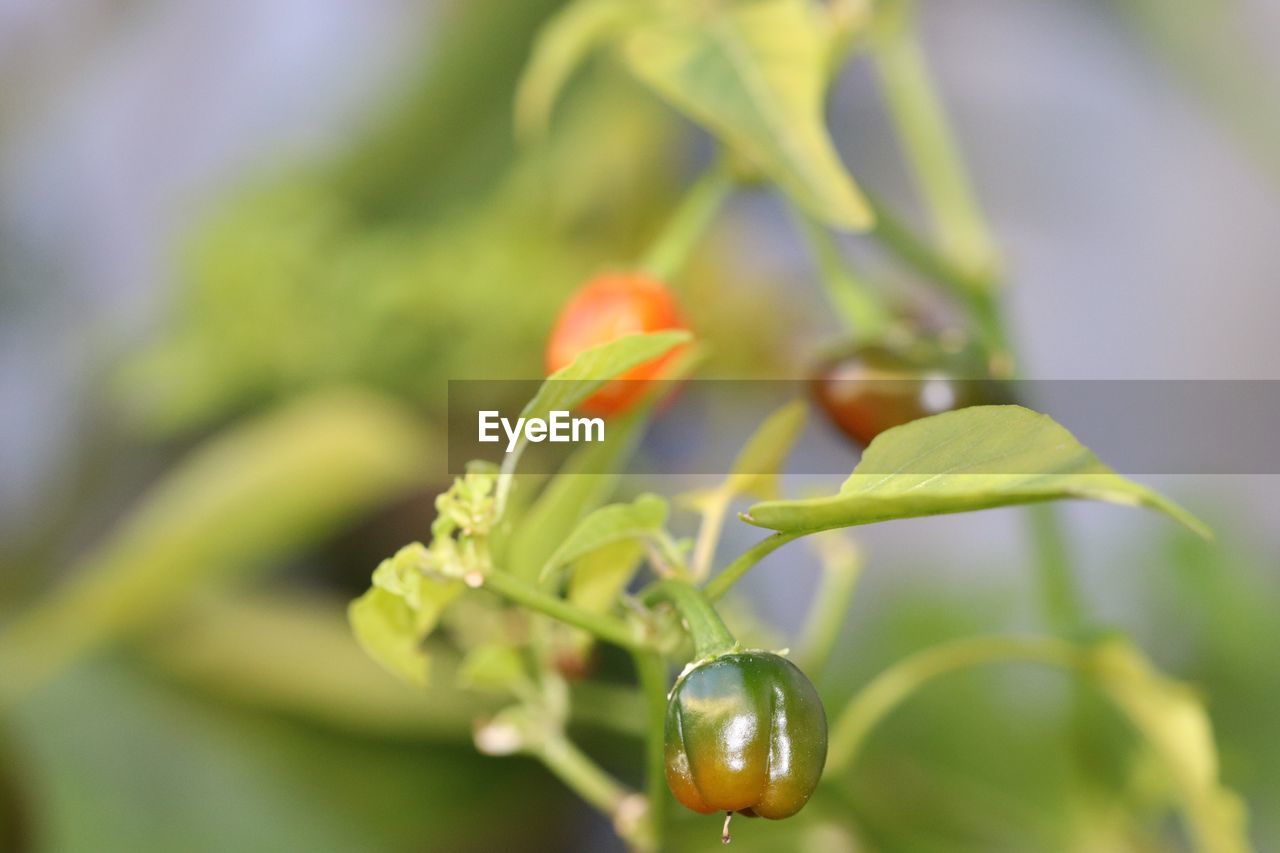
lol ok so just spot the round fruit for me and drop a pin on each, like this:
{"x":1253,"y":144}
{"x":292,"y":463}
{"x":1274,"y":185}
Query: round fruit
{"x":606,"y":308}
{"x":866,"y":390}
{"x":745,"y":732}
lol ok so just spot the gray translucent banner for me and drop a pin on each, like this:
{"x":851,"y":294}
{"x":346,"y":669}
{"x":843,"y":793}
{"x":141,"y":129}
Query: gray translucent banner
{"x":1229,"y":427}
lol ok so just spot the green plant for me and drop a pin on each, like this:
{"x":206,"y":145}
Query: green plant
{"x":204,"y":639}
{"x":517,"y":570}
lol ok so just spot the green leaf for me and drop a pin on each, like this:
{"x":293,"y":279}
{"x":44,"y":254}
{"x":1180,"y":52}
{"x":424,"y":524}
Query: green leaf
{"x":583,"y":483}
{"x":384,"y":626}
{"x":1174,"y":722}
{"x":599,"y":577}
{"x":582,"y":377}
{"x":755,"y":74}
{"x":397,"y":613}
{"x":596,"y":580}
{"x":578,"y":380}
{"x":261,"y":651}
{"x":562,"y":45}
{"x":638,"y":520}
{"x":250,"y":496}
{"x":755,"y":471}
{"x":494,"y":668}
{"x":970,"y":459}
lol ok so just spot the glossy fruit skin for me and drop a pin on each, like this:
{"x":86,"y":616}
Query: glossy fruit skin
{"x":866,"y":390}
{"x":604,"y":309}
{"x":745,"y":732}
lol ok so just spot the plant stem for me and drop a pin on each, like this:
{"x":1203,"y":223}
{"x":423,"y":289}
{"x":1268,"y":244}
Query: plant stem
{"x":710,"y":636}
{"x":733,"y":572}
{"x":841,"y":567}
{"x":695,"y":213}
{"x":579,"y":772}
{"x":651,"y":671}
{"x":1060,"y":599}
{"x":932,"y":153}
{"x":892,"y":686}
{"x":895,"y":235}
{"x":704,"y":550}
{"x":1122,"y":675}
{"x":860,"y":306}
{"x":967,"y":263}
{"x":604,"y":627}
{"x":614,"y":707}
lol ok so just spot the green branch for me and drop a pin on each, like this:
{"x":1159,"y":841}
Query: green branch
{"x":860,"y":306}
{"x":932,"y":153}
{"x":891,"y":687}
{"x":689,"y":221}
{"x":710,"y":636}
{"x":604,"y":627}
{"x":651,"y":671}
{"x":732,"y":573}
{"x":841,"y":567}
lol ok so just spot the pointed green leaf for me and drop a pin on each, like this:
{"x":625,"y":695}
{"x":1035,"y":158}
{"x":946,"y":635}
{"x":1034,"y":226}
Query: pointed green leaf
{"x":638,"y":520}
{"x":755,"y":74}
{"x":585,"y":482}
{"x":755,"y":471}
{"x":578,"y":380}
{"x":970,"y":459}
{"x":402,"y":607}
{"x":582,"y":377}
{"x":384,"y":626}
{"x":597,"y":578}
{"x":562,"y":45}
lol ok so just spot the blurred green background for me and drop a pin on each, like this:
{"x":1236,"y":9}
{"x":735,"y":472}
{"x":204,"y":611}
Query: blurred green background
{"x":243,"y":247}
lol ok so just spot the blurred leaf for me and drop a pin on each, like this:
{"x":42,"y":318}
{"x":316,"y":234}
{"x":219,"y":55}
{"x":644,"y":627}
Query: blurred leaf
{"x":398,"y":612}
{"x":248,"y":497}
{"x":1202,"y":40}
{"x":384,"y":625}
{"x":637,"y":521}
{"x":449,"y":132}
{"x":756,"y":468}
{"x":600,"y":576}
{"x":755,"y":471}
{"x":1173,"y":721}
{"x":495,"y":668}
{"x":120,"y":763}
{"x":919,"y":468}
{"x":755,"y":74}
{"x":596,"y":582}
{"x":262,"y":651}
{"x":561,"y":47}
{"x":578,"y":380}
